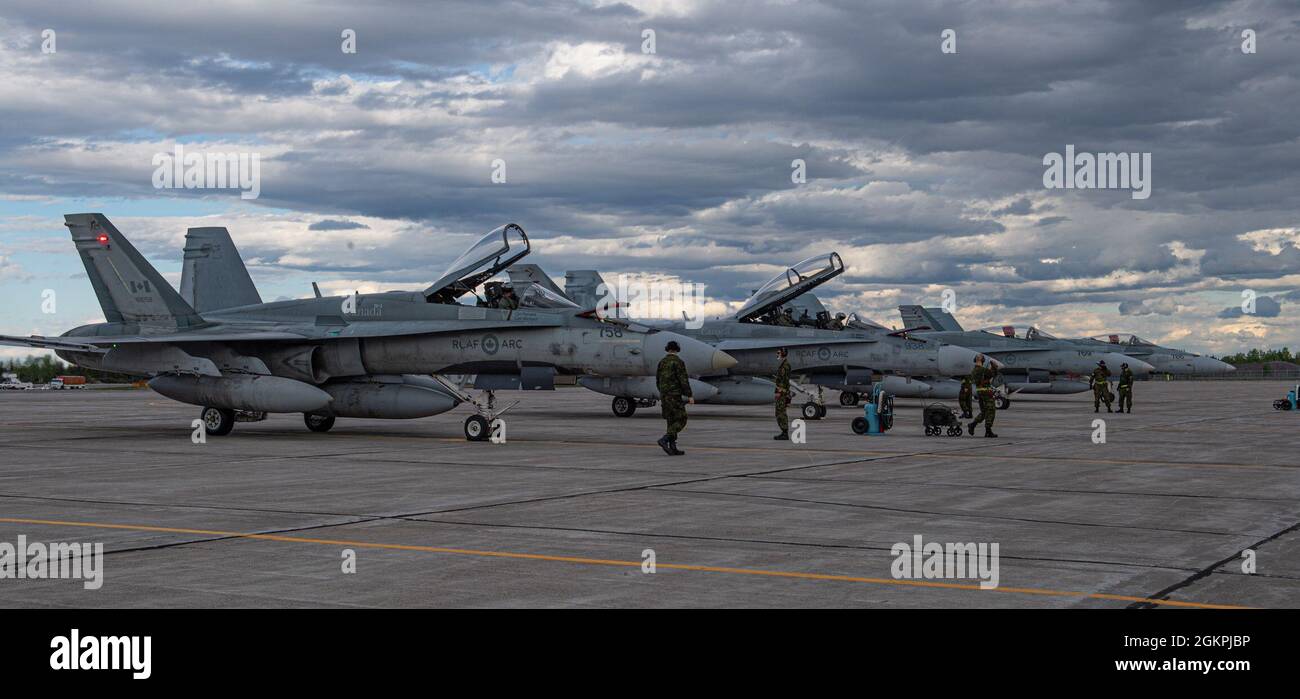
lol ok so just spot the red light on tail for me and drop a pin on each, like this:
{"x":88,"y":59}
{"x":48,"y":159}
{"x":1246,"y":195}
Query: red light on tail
{"x":103,"y":239}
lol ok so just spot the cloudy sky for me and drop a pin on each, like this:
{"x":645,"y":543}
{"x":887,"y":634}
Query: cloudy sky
{"x":924,"y":168}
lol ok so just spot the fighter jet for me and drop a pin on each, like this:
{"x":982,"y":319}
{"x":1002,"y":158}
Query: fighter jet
{"x":364,"y":355}
{"x":1032,"y":360}
{"x":820,"y":357}
{"x":1166,"y":360}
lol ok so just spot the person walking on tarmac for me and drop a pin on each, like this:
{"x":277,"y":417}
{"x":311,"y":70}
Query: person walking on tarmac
{"x":1125,"y":388}
{"x":982,"y":378}
{"x":964,"y":397}
{"x":1101,"y":387}
{"x":782,"y":380}
{"x":673,"y":385}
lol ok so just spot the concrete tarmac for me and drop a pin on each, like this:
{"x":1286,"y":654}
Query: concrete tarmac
{"x":563,"y":513}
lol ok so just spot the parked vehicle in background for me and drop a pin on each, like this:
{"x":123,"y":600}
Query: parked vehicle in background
{"x":10,"y":382}
{"x":62,"y":382}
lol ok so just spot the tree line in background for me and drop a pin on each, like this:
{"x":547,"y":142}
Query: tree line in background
{"x":1256,"y":356}
{"x":41,"y":369}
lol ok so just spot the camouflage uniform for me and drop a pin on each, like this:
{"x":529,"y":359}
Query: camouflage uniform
{"x":782,"y":380}
{"x":673,"y":383}
{"x":982,"y":378}
{"x":1126,"y":389}
{"x":509,"y":303}
{"x":1100,"y":389}
{"x":964,"y":396}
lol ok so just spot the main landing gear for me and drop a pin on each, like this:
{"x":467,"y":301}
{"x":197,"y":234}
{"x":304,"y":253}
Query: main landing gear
{"x":478,"y":428}
{"x":812,"y":410}
{"x":626,"y":407}
{"x":218,"y":422}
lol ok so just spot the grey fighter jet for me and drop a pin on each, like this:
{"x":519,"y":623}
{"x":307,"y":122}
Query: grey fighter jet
{"x":365,"y":355}
{"x":1166,"y":360}
{"x":819,"y":356}
{"x":1032,"y":361}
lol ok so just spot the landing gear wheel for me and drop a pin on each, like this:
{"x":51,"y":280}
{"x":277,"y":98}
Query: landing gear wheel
{"x":859,"y":425}
{"x":476,"y":428}
{"x":1003,"y":403}
{"x":624,"y":407}
{"x":812,"y":411}
{"x":318,"y":423}
{"x":821,"y":410}
{"x":848,"y":398}
{"x":217,"y":421}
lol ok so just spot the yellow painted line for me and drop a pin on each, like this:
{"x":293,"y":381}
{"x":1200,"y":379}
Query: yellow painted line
{"x":618,"y":563}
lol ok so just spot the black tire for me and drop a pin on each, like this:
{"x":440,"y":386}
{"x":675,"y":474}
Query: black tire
{"x":811,"y":411}
{"x":848,"y":398}
{"x":217,"y":422}
{"x":624,"y":407}
{"x":1003,"y":403}
{"x":318,"y":423}
{"x":477,"y":428}
{"x":859,"y":425}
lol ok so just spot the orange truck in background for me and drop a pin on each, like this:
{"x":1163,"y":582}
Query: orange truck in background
{"x":67,"y":382}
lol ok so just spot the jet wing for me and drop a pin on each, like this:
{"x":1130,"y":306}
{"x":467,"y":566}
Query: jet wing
{"x":994,"y":351}
{"x":775,"y":342}
{"x":103,"y":343}
{"x":40,"y":342}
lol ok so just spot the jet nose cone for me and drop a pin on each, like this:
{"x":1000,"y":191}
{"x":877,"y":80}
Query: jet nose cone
{"x":955,"y":361}
{"x":1114,"y":361}
{"x":700,"y":357}
{"x":1209,"y":365}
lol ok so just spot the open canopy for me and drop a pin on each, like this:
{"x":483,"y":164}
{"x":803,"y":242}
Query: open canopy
{"x":492,"y":253}
{"x":1124,"y":339}
{"x":537,"y":296}
{"x":791,"y":283}
{"x":1022,"y":332}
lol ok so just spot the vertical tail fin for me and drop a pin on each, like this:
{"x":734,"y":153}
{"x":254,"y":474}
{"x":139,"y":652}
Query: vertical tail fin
{"x":214,"y":276}
{"x":933,"y":318}
{"x":533,"y":274}
{"x":130,"y":290}
{"x":584,"y":287}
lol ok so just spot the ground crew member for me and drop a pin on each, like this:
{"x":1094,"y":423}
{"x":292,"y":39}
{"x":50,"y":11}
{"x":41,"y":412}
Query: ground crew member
{"x":1125,"y":388}
{"x":782,"y":380}
{"x":508,"y":300}
{"x":1101,"y":387}
{"x":673,"y":385}
{"x":982,"y":379}
{"x":964,"y":397}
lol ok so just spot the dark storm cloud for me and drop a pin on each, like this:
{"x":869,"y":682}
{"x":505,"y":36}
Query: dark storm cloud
{"x":335,"y":225}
